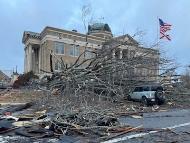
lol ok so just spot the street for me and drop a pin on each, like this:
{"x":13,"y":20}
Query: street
{"x":175,"y":125}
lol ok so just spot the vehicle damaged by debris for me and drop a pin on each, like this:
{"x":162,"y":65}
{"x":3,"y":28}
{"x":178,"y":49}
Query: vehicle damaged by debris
{"x":148,"y":94}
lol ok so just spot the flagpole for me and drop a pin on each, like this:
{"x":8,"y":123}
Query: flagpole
{"x":158,"y":47}
{"x":157,"y":31}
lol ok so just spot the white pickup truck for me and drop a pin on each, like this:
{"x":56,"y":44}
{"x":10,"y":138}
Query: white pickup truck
{"x":148,"y":94}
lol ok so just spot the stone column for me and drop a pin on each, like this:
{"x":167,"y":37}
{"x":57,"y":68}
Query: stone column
{"x":25,"y":59}
{"x":39,"y":56}
{"x":30,"y":58}
{"x":27,"y":63}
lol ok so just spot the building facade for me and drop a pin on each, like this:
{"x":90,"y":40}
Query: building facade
{"x":52,"y":44}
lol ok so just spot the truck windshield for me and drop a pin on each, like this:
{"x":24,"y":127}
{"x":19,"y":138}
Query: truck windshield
{"x":155,"y":88}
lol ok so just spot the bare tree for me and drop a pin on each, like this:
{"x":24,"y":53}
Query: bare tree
{"x":185,"y":78}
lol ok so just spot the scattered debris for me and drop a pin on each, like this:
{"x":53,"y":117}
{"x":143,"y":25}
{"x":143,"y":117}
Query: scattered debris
{"x":82,"y":120}
{"x":169,"y":103}
{"x":155,"y":107}
{"x":23,"y":124}
{"x":41,"y":124}
{"x":136,"y":116}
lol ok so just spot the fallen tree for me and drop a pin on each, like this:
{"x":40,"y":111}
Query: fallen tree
{"x":110,"y":71}
{"x":114,"y":69}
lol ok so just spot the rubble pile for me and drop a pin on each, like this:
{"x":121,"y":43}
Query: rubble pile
{"x":23,"y":121}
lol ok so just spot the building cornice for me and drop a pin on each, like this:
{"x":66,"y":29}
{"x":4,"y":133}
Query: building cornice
{"x":70,"y":41}
{"x":72,"y":33}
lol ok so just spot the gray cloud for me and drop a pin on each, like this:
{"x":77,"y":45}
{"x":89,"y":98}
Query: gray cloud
{"x":122,"y":15}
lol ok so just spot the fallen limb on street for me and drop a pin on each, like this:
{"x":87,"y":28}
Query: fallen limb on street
{"x":130,"y":129}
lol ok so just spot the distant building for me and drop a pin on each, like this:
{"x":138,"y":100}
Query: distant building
{"x":4,"y":77}
{"x":14,"y":77}
{"x":68,"y":45}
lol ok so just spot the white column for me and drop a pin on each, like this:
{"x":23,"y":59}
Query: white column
{"x":39,"y":58}
{"x":29,"y":58}
{"x":25,"y":60}
{"x":27,"y":63}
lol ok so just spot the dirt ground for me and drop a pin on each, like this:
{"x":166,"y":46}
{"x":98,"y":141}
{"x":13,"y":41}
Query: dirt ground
{"x":44,"y":100}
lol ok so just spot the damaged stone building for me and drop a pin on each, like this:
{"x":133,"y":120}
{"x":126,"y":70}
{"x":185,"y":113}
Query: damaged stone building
{"x":68,"y":45}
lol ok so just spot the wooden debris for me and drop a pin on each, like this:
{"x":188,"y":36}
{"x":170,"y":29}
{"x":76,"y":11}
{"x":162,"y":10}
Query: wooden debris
{"x":23,"y":123}
{"x":127,"y":130}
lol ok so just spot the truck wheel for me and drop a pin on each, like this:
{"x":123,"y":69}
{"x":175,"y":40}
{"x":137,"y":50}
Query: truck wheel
{"x":129,"y":98}
{"x":144,"y":101}
{"x":158,"y":96}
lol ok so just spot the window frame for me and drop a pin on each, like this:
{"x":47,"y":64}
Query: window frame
{"x":75,"y":50}
{"x":57,"y":48}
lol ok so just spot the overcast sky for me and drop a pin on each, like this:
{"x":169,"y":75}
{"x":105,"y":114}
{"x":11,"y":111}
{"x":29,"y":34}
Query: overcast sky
{"x":123,"y":16}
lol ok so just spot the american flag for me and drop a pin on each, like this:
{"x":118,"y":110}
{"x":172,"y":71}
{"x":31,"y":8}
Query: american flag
{"x":164,"y":27}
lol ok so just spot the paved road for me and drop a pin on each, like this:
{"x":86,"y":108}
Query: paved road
{"x":177,"y":120}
